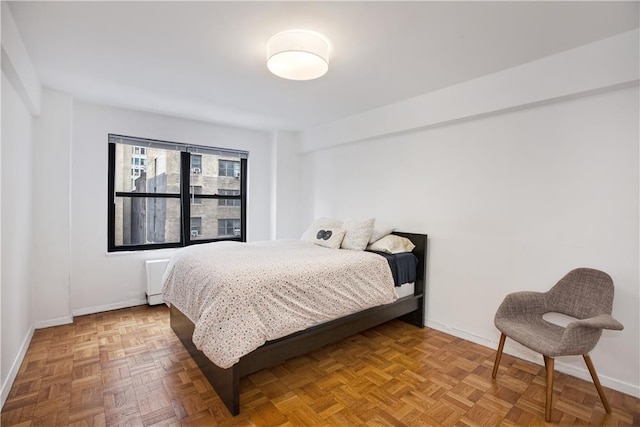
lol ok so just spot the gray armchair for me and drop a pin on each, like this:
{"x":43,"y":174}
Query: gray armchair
{"x":584,"y":294}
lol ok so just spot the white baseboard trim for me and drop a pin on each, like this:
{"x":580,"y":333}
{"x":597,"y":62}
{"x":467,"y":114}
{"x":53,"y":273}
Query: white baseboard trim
{"x":64,"y":320}
{"x":108,"y":307}
{"x":530,"y":356}
{"x":15,"y":367}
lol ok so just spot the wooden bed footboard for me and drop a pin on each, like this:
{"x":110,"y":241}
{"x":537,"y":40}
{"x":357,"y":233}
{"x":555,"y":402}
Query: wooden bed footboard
{"x":226,"y":382}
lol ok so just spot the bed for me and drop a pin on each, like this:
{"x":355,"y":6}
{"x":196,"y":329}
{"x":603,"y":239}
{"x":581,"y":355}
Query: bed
{"x":225,"y":381}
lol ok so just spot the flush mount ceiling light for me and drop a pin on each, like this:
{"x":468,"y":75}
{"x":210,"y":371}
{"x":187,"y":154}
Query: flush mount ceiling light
{"x":298,"y":55}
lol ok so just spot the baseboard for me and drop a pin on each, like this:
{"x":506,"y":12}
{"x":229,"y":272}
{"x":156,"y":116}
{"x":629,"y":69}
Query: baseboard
{"x":533,"y":357}
{"x":13,"y":372}
{"x":64,"y":320}
{"x":108,"y":307}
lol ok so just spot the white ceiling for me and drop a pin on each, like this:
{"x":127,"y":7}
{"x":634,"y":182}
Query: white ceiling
{"x":206,"y":60}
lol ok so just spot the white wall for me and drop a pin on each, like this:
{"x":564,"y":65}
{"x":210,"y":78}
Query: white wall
{"x":51,"y":200}
{"x":510,"y":202}
{"x":17,"y":146}
{"x":100,"y":280}
{"x":20,"y":90}
{"x":517,"y":177}
{"x":285,"y":218}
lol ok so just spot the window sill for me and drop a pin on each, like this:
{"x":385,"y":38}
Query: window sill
{"x":164,"y":252}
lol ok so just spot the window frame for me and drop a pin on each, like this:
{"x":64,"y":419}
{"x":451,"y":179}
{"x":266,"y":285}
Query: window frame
{"x":185,"y":196}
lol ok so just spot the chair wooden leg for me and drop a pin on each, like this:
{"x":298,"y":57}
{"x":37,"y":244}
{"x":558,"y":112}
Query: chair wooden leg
{"x":498,"y":356}
{"x":548,"y":363}
{"x":596,"y":381}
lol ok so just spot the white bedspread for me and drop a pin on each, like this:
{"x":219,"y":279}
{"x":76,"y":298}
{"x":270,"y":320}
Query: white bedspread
{"x":240,"y":295}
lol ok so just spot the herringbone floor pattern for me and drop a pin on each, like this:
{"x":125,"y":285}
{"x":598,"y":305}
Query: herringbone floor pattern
{"x":126,"y":367}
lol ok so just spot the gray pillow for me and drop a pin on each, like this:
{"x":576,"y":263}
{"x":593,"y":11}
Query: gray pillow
{"x":357,"y":233}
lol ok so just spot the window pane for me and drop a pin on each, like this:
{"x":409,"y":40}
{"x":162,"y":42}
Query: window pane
{"x":211,"y":178}
{"x":209,"y":213}
{"x":207,"y":178}
{"x":229,"y":227}
{"x":142,"y":220}
{"x":230,"y":168}
{"x":196,"y":163}
{"x":158,"y":170}
{"x":196,"y":226}
{"x":228,"y":202}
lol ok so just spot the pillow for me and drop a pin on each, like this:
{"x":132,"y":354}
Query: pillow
{"x":319,"y":223}
{"x":379,"y":232}
{"x":329,"y":237}
{"x":392,"y":244}
{"x":357,"y":233}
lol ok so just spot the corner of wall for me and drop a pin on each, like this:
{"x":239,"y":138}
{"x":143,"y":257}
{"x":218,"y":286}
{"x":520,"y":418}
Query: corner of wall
{"x":285,"y":185}
{"x":17,"y":65}
{"x":15,"y":367}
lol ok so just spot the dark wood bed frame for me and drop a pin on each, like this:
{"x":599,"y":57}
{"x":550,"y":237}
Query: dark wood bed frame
{"x":226,"y":382}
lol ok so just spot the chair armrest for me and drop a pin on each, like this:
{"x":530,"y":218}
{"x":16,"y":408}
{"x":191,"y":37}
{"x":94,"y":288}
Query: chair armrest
{"x":603,"y":321}
{"x":522,"y":303}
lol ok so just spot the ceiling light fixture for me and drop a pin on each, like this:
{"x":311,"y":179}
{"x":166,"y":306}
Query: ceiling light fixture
{"x":298,"y":55}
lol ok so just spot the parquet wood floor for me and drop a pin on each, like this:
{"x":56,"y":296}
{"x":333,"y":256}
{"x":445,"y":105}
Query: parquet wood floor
{"x":126,"y":367}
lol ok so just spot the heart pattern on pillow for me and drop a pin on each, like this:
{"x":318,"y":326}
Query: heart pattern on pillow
{"x":324,"y":234}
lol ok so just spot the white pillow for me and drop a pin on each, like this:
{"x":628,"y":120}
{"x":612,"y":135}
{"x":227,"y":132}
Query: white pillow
{"x":379,"y":232}
{"x":392,"y":244}
{"x":329,"y":237}
{"x":319,"y":223}
{"x":358,"y":233}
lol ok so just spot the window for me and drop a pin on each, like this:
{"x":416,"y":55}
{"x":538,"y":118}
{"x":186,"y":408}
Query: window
{"x":196,"y":163}
{"x":161,"y":202}
{"x":229,"y":168}
{"x":196,"y":226}
{"x":228,"y":202}
{"x":229,"y":227}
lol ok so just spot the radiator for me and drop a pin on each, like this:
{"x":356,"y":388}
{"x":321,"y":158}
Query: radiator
{"x":155,"y":269}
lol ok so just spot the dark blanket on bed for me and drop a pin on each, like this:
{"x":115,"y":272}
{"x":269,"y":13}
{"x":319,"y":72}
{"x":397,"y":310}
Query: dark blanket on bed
{"x":403,"y":266}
